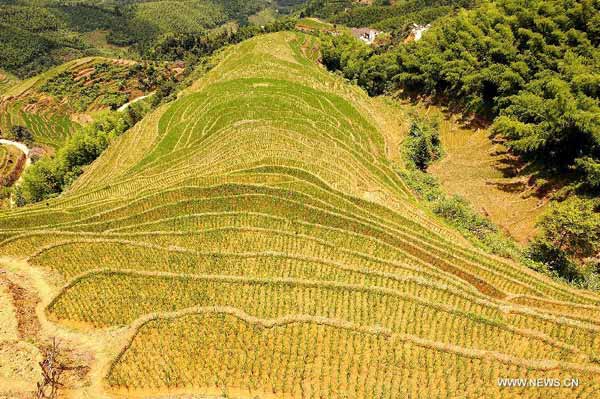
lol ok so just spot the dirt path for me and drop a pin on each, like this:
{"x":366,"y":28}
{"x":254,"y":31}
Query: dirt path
{"x":31,"y":290}
{"x":20,"y":146}
{"x":125,"y":106}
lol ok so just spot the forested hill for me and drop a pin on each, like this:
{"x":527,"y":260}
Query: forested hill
{"x":36,"y":35}
{"x":534,"y":66}
{"x":385,"y":14}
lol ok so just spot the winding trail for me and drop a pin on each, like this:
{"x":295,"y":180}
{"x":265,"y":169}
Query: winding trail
{"x":20,"y":146}
{"x":125,"y":106}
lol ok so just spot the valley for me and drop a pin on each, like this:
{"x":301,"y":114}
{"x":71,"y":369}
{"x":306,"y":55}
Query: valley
{"x":298,"y":199}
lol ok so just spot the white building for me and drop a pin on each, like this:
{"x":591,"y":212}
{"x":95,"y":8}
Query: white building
{"x":367,"y":35}
{"x":418,"y":30}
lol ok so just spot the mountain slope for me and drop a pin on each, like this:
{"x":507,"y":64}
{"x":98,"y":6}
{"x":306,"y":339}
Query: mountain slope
{"x":37,"y":35}
{"x":53,"y":104}
{"x":261,"y":208}
{"x":6,"y":81}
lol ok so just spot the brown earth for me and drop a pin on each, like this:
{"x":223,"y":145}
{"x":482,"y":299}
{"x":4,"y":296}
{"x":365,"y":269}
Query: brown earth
{"x":27,"y":291}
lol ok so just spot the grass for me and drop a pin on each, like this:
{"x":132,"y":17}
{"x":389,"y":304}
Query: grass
{"x":317,"y":25}
{"x":263,"y":17}
{"x":177,"y":16}
{"x":99,"y":40}
{"x":263,"y":208}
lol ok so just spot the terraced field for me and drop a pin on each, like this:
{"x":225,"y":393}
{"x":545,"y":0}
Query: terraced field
{"x":6,"y":81}
{"x":253,"y":239}
{"x":180,"y":16}
{"x":52,"y":105}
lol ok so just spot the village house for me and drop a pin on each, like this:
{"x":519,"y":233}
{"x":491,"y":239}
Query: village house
{"x":416,"y":33}
{"x":367,"y":35}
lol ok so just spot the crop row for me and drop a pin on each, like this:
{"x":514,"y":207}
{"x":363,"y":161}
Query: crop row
{"x":299,"y":356}
{"x":293,"y":256}
{"x":106,"y":298}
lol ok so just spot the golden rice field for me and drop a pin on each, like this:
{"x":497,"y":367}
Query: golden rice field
{"x":253,"y":239}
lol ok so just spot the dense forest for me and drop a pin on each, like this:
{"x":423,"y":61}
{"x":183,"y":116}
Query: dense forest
{"x":533,"y":66}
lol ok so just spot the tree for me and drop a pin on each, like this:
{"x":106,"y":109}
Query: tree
{"x":21,"y":133}
{"x":590,"y":171}
{"x":41,"y":180}
{"x":423,"y":144}
{"x":573,"y":226}
{"x":569,"y":233}
{"x":54,"y":369}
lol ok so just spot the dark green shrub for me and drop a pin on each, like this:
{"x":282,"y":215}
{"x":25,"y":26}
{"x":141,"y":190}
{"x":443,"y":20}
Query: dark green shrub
{"x":569,"y":236}
{"x":555,"y":259}
{"x":423,"y":145}
{"x":21,"y":133}
{"x":590,"y":172}
{"x":573,"y":226}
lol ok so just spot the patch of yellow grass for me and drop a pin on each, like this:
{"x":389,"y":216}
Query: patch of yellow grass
{"x":18,"y":368}
{"x":8,"y":320}
{"x":482,"y":172}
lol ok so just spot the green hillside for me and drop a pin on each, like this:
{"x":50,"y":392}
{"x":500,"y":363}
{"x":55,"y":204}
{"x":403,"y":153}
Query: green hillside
{"x":54,"y":104}
{"x":6,"y":81}
{"x":253,"y":238}
{"x":394,"y":16}
{"x":35,"y":36}
{"x":328,"y":8}
{"x":191,"y":16}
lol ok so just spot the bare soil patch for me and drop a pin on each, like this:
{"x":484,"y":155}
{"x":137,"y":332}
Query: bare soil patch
{"x":25,"y":303}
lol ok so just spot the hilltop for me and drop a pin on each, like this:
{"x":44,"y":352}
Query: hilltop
{"x":239,"y":239}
